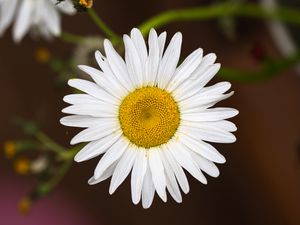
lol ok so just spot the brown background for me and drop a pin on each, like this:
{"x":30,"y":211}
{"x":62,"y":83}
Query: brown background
{"x":259,"y":184}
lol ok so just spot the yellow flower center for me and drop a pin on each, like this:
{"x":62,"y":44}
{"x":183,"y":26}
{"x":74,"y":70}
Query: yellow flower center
{"x":149,"y":117}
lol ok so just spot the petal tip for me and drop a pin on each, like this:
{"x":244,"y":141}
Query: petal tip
{"x":62,"y":121}
{"x":78,"y":158}
{"x":111,"y":191}
{"x":91,"y":181}
{"x":74,"y":141}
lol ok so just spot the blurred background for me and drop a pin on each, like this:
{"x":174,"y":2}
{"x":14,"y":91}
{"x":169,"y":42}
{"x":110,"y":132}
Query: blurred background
{"x":259,"y":184}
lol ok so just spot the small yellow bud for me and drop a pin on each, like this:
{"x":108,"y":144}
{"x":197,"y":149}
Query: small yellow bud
{"x":86,"y":3}
{"x":22,"y":166}
{"x":9,"y":149}
{"x":24,"y":205}
{"x":42,"y":55}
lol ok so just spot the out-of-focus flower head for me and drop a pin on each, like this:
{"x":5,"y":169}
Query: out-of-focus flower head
{"x":42,"y":55}
{"x":41,"y":17}
{"x":22,"y":166}
{"x":24,"y":205}
{"x":9,"y":149}
{"x":86,"y":3}
{"x":85,"y":51}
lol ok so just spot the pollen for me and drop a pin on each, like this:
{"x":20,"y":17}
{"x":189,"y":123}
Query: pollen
{"x":149,"y":117}
{"x":86,"y":3}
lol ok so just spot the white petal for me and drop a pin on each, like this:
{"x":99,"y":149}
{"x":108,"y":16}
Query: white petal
{"x":194,"y":85}
{"x":186,"y":69}
{"x":183,"y":157}
{"x":122,"y":170}
{"x":202,"y":101}
{"x":206,"y":165}
{"x":94,"y":73}
{"x":204,"y":149}
{"x":214,"y":114}
{"x":172,"y":185}
{"x":109,"y":75}
{"x":106,"y":174}
{"x":208,"y":74}
{"x":81,"y":99}
{"x":94,"y":133}
{"x":177,"y":169}
{"x":153,"y":59}
{"x":138,"y":174}
{"x":222,"y":124}
{"x":207,"y":61}
{"x":7,"y":13}
{"x":148,"y":190}
{"x":139,"y":44}
{"x":209,"y":134}
{"x":169,"y":61}
{"x":218,"y":88}
{"x":41,"y":30}
{"x":23,"y":20}
{"x":51,"y":17}
{"x":92,"y":89}
{"x":93,"y":109}
{"x":65,"y":7}
{"x":96,"y":148}
{"x":111,"y":156}
{"x":99,"y":77}
{"x":161,"y":43}
{"x":158,"y":175}
{"x":133,"y":62}
{"x":81,"y":121}
{"x":117,"y":65}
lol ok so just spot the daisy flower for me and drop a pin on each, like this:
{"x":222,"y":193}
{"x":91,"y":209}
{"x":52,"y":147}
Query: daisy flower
{"x":40,"y":16}
{"x":150,"y":117}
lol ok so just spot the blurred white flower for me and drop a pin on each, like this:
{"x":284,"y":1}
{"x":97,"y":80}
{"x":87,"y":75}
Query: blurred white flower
{"x":42,"y":17}
{"x":38,"y":165}
{"x":150,"y":117}
{"x":85,"y":51}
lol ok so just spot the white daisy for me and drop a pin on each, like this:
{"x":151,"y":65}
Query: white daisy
{"x":40,"y":16}
{"x":150,"y":117}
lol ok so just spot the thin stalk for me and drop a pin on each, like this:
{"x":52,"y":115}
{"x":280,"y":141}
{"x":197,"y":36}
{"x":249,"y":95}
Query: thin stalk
{"x":270,"y":69}
{"x":100,"y":23}
{"x":220,"y":10}
{"x":70,"y":153}
{"x":71,"y":38}
{"x":46,"y":187}
{"x":49,"y":143}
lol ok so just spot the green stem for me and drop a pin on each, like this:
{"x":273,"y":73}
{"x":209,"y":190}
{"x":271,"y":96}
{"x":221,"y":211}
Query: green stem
{"x":220,"y":10}
{"x":70,"y":153}
{"x":49,"y":143}
{"x":270,"y":69}
{"x":106,"y":30}
{"x":67,"y":156}
{"x":71,"y":38}
{"x":46,"y":187}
